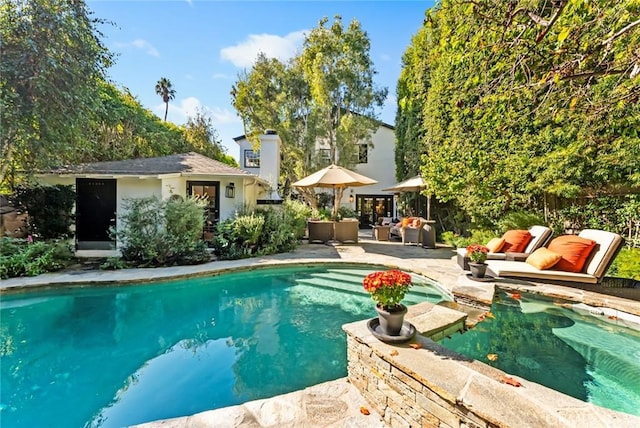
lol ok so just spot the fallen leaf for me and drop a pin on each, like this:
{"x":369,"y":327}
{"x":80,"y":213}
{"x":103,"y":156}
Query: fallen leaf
{"x":613,"y":317}
{"x":364,"y":411}
{"x":492,"y":357}
{"x":416,"y":345}
{"x":510,"y":381}
{"x":394,"y":353}
{"x":516,"y":296}
{"x":490,"y":315}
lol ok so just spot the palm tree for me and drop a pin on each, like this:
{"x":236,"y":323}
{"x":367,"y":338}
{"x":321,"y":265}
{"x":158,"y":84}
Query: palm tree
{"x":165,"y":90}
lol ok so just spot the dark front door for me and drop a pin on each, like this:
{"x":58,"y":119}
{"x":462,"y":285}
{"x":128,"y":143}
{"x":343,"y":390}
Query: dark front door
{"x":370,"y":208}
{"x":95,"y":213}
{"x":210,"y":190}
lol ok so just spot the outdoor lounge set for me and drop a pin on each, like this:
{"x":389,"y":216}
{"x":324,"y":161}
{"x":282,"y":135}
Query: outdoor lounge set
{"x":581,"y":258}
{"x":322,"y":231}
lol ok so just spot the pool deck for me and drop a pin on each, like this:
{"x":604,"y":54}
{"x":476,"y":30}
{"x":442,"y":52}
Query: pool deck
{"x":338,"y":403}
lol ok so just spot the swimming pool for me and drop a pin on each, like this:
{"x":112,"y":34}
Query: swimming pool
{"x":561,"y":345}
{"x":115,"y":356}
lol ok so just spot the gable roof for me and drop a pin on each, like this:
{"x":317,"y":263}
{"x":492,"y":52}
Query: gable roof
{"x":184,"y":163}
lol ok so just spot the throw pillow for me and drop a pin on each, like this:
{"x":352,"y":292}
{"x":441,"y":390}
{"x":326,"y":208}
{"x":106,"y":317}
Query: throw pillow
{"x":516,"y":241}
{"x":406,"y":220}
{"x":543,"y":258}
{"x":495,"y":245}
{"x":574,"y":251}
{"x":416,"y":223}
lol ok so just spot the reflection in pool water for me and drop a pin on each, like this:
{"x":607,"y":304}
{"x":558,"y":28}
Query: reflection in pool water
{"x":115,"y":356}
{"x":549,"y":343}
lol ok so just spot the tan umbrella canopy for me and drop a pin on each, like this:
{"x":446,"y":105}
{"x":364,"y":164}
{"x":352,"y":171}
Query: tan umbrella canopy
{"x":336,"y":178}
{"x":413,"y":184}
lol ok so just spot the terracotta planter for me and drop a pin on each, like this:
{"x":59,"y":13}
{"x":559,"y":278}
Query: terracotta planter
{"x":391,"y":321}
{"x":478,"y":270}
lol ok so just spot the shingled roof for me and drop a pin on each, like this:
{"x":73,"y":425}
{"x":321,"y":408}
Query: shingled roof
{"x":190,"y":163}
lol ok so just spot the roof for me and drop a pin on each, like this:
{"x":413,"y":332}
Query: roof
{"x":185,"y":163}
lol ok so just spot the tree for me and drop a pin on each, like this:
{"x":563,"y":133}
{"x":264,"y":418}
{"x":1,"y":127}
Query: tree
{"x":52,"y":58}
{"x":324,"y":94}
{"x":202,"y":136}
{"x":527,"y":98}
{"x":164,"y":88}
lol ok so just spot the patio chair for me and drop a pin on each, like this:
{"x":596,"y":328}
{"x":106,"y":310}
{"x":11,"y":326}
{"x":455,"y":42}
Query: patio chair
{"x":346,"y":230}
{"x":596,"y":262}
{"x":320,"y":231}
{"x":540,"y":236}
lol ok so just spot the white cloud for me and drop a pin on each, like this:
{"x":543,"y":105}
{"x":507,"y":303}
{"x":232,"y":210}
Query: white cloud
{"x":140,"y":44}
{"x":222,"y":76}
{"x":244,"y":54}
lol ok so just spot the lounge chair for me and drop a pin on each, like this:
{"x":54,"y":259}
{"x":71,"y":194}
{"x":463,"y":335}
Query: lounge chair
{"x":607,"y":246}
{"x":540,"y":235}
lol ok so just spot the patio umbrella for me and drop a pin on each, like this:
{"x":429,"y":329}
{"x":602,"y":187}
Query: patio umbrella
{"x":413,"y":184}
{"x":337,"y":178}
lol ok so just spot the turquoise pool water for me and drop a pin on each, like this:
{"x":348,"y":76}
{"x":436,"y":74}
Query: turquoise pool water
{"x":115,"y":356}
{"x":559,"y":345}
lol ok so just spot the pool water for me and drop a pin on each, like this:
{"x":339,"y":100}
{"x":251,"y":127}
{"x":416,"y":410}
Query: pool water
{"x":561,"y":346}
{"x":116,"y":356}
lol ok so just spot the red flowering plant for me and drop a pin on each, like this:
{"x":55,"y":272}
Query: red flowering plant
{"x":387,"y":288}
{"x":477,"y":253}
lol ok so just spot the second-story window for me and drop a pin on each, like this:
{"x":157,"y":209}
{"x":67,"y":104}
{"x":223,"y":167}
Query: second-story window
{"x":363,"y":153}
{"x":325,"y":156}
{"x":251,"y":159}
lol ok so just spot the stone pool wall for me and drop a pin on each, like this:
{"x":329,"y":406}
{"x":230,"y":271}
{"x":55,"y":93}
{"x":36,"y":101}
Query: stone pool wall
{"x":422,"y":384}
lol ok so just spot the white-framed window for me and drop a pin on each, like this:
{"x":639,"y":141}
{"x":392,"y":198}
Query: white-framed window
{"x":363,"y":153}
{"x":252,"y":159}
{"x":325,"y":156}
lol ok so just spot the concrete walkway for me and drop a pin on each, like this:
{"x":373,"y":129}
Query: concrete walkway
{"x":336,"y":403}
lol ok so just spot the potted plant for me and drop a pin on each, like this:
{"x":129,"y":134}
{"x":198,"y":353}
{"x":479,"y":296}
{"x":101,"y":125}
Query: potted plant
{"x":387,"y":289}
{"x":477,"y":255}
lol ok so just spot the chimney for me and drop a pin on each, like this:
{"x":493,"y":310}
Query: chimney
{"x":270,"y":161}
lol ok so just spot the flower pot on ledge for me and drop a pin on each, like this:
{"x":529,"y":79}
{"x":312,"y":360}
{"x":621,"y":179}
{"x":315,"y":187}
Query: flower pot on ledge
{"x":478,"y":270}
{"x":391,"y":321}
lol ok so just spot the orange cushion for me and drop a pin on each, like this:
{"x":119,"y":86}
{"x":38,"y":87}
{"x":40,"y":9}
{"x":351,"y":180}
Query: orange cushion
{"x":516,"y":241}
{"x":574,"y":251}
{"x":406,"y":220}
{"x":543,"y":258}
{"x":495,"y":245}
{"x":416,"y":223}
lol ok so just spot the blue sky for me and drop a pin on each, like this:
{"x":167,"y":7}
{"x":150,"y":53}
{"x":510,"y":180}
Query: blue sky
{"x":202,"y":46}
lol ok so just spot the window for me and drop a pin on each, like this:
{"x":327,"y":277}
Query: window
{"x":251,"y":159}
{"x":325,"y":156}
{"x":363,"y":153}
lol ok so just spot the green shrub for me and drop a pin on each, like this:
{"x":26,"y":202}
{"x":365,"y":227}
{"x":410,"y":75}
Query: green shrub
{"x":248,"y":228}
{"x":297,"y":212}
{"x":478,"y":236}
{"x":626,"y":264}
{"x":162,"y":233}
{"x":49,"y":209}
{"x":519,"y":221}
{"x":22,"y":257}
{"x":269,"y":231}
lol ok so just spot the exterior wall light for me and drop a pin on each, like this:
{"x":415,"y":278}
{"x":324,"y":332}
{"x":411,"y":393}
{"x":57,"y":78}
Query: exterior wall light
{"x":230,"y":191}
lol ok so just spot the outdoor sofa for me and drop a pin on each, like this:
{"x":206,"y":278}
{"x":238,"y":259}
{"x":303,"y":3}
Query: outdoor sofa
{"x":540,"y":235}
{"x":596,"y":259}
{"x":408,"y":229}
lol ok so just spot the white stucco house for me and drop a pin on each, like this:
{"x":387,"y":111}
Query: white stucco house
{"x":102,"y":189}
{"x":376,"y":161}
